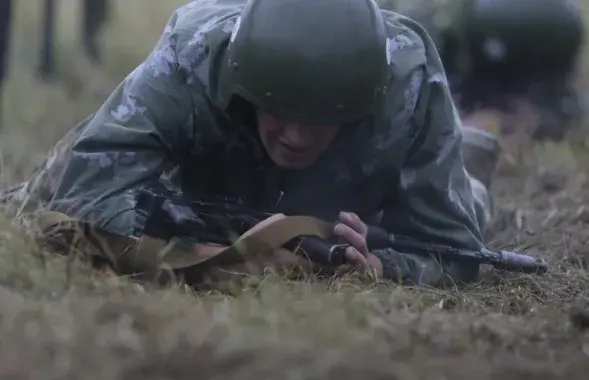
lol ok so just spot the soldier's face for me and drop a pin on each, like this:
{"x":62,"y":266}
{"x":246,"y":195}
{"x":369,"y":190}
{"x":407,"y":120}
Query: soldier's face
{"x":292,"y":145}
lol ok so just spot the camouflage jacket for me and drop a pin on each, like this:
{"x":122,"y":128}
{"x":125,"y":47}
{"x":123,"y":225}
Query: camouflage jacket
{"x":160,"y":127}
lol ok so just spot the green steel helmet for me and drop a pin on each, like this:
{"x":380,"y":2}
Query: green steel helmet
{"x":547,"y":33}
{"x":309,"y":61}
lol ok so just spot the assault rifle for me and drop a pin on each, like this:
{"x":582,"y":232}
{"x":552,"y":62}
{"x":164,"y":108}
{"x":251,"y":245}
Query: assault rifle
{"x":169,"y":214}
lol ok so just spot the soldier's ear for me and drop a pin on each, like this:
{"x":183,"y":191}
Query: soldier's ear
{"x":241,"y":112}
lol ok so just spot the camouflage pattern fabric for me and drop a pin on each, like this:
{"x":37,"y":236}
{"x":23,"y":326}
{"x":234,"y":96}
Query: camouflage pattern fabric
{"x":160,"y":128}
{"x":33,"y":195}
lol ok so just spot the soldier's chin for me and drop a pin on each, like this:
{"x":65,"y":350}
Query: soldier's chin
{"x":286,"y":160}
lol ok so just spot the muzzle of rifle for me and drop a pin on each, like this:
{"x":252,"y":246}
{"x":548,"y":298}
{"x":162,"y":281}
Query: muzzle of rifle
{"x":511,"y":261}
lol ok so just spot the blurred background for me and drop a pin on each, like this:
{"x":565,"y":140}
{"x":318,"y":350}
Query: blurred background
{"x":43,"y":95}
{"x":63,"y":57}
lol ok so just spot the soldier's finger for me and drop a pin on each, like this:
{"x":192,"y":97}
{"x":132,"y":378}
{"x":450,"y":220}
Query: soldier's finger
{"x":344,"y":269}
{"x":352,"y":237}
{"x":353,"y":220}
{"x":355,"y":258}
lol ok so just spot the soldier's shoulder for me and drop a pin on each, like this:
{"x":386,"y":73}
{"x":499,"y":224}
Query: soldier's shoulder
{"x":197,"y":14}
{"x":419,"y":9}
{"x":435,"y":16}
{"x":410,"y":45}
{"x":197,"y":31}
{"x":406,"y":44}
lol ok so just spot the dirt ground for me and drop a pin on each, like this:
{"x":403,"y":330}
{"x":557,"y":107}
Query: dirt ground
{"x":60,"y":320}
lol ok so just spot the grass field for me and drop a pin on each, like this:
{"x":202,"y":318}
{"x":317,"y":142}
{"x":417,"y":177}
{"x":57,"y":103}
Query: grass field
{"x":60,"y":320}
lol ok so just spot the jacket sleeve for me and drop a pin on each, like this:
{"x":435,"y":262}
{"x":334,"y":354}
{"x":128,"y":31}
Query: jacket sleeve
{"x":129,"y":141}
{"x":433,"y":200}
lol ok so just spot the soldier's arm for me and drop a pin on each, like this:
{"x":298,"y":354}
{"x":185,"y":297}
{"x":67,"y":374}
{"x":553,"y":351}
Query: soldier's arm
{"x":130,"y":140}
{"x":433,"y":199}
{"x":430,"y":198}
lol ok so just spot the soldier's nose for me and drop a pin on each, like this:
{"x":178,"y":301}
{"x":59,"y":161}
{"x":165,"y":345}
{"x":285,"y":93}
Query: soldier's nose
{"x":297,"y":135}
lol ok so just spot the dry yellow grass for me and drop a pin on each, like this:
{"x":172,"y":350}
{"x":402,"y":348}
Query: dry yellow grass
{"x":60,"y":320}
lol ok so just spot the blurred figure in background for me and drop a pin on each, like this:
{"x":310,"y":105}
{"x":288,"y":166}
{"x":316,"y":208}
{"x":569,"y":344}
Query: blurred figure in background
{"x":5,"y":16}
{"x":510,"y":64}
{"x":94,"y":16}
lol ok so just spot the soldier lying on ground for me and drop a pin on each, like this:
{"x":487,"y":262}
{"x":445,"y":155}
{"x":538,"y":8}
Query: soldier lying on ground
{"x":333,"y":109}
{"x":510,"y":64}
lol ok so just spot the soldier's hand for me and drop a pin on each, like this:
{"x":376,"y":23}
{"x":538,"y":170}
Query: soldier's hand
{"x":352,"y":230}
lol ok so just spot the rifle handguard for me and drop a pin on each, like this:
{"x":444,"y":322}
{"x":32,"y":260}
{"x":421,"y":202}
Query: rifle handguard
{"x":320,"y":251}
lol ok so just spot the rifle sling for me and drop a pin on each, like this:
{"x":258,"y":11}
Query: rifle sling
{"x":148,"y":255}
